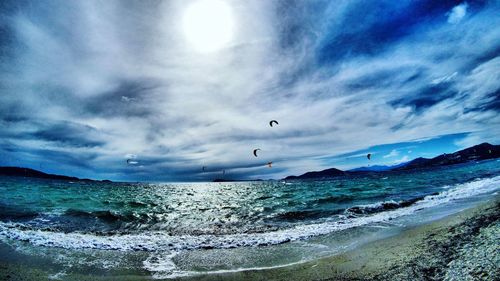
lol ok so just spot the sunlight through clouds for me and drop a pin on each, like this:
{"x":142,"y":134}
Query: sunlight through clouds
{"x":184,"y":86}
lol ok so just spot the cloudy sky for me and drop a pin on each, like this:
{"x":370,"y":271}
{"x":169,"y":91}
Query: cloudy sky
{"x":173,"y":86}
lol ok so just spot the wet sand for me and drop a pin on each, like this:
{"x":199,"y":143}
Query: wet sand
{"x":462,"y":246}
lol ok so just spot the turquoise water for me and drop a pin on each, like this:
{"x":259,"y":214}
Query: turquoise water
{"x":183,"y":228}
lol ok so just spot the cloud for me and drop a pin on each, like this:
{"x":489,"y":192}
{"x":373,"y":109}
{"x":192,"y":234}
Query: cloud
{"x":444,"y":79}
{"x":79,"y":78}
{"x":393,"y":153}
{"x":457,"y":13}
{"x":474,"y":138}
{"x":402,"y":160}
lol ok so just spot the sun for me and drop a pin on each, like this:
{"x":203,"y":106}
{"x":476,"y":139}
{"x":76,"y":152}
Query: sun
{"x":208,"y":25}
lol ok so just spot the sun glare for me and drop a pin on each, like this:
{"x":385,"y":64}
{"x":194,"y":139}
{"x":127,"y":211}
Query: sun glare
{"x":208,"y":25}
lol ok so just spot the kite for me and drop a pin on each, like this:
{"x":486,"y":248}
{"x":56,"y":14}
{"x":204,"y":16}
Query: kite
{"x":273,"y":122}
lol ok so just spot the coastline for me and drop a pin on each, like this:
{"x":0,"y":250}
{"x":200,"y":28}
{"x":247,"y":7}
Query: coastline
{"x":459,"y":245}
{"x":430,"y":251}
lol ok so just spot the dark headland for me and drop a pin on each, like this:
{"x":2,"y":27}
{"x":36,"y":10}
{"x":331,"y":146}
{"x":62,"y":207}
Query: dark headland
{"x":30,"y":173}
{"x":233,"y":180}
{"x":328,"y":173}
{"x":483,"y":151}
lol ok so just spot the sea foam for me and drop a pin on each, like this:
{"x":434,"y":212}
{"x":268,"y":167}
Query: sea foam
{"x":159,"y":241}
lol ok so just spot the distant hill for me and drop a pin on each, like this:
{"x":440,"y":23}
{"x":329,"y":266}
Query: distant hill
{"x":30,"y":173}
{"x":231,"y":180}
{"x":328,"y":173}
{"x":377,"y":168}
{"x":478,"y":152}
{"x":223,"y":180}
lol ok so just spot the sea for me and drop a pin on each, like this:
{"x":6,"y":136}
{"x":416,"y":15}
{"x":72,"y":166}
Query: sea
{"x":169,"y":230}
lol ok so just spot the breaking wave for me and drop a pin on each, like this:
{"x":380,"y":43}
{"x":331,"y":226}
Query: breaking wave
{"x":161,"y":241}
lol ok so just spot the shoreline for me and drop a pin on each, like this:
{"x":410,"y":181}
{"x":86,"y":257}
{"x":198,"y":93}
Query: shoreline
{"x":425,"y":252}
{"x":440,"y":249}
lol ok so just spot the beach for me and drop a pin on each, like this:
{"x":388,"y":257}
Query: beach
{"x":462,"y":246}
{"x":435,"y":251}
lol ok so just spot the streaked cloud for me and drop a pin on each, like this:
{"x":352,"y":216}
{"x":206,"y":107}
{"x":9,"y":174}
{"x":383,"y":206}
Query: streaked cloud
{"x":402,"y":160}
{"x":393,"y":153}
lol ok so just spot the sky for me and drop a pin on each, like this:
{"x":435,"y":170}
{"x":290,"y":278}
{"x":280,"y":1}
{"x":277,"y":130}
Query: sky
{"x":174,"y":86}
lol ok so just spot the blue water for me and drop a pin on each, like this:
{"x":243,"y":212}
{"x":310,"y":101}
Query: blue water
{"x":173,"y":218}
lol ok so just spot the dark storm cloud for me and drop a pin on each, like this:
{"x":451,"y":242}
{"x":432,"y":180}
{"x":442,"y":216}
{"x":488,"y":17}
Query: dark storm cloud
{"x":61,"y":133}
{"x":63,"y":158}
{"x":70,"y":134}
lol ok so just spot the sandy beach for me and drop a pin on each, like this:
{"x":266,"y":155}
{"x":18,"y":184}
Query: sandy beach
{"x":463,"y":246}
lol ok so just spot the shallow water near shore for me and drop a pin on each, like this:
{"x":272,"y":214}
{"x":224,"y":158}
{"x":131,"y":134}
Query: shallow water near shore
{"x":185,"y":229}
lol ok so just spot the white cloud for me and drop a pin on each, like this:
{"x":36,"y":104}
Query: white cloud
{"x":402,"y":160}
{"x":491,"y":136}
{"x":127,"y":99}
{"x":393,"y":153}
{"x":457,"y":13}
{"x":445,"y":79}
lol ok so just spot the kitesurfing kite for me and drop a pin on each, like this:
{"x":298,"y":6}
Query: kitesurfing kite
{"x":369,"y":155}
{"x":273,"y":122}
{"x":255,"y":152}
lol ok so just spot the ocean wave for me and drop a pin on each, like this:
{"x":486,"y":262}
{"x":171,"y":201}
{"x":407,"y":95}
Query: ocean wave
{"x":161,"y":241}
{"x":307,"y":214}
{"x":385,"y":205}
{"x":335,"y":199}
{"x":123,"y":219}
{"x":108,"y":216}
{"x":9,"y":213}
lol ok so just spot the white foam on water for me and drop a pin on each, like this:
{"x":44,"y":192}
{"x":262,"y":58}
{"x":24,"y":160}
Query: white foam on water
{"x":155,"y":241}
{"x":377,"y":204}
{"x":162,"y":266}
{"x":170,"y":271}
{"x":58,"y":276}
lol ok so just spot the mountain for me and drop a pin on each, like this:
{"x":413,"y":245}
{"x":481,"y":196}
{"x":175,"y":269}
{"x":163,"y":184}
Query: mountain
{"x":414,"y":164}
{"x":377,"y":168}
{"x":478,"y":152}
{"x":30,"y":173}
{"x":328,"y":173}
{"x":223,"y":180}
